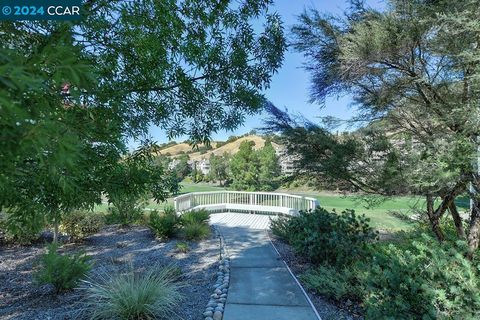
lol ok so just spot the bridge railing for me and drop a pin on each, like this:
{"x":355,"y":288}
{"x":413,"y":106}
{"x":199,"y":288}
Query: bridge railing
{"x":245,"y":201}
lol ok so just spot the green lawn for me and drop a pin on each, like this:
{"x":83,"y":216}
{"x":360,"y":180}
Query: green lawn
{"x":187,"y":187}
{"x":198,"y":187}
{"x":380,"y":214}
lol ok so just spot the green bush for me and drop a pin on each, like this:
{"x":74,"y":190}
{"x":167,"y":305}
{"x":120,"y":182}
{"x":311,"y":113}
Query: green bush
{"x":126,"y":210}
{"x":150,"y":295}
{"x":333,"y":282}
{"x":327,"y":237}
{"x":195,"y":217}
{"x":20,"y":227}
{"x":196,"y":231}
{"x":419,"y":278}
{"x":81,"y":224}
{"x":163,"y":225}
{"x":62,"y":271}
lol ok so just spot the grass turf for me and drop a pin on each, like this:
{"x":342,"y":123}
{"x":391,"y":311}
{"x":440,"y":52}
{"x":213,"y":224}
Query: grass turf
{"x":380,"y":214}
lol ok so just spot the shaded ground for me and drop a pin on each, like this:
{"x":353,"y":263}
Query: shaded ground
{"x":327,"y":309}
{"x":113,"y":250}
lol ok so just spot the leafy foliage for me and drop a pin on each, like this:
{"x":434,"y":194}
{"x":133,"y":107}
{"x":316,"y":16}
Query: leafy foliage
{"x":408,"y":277}
{"x":147,"y":295}
{"x":81,"y":224}
{"x":62,"y":271}
{"x":164,"y":225}
{"x":411,"y":70}
{"x":326,"y":237}
{"x":336,"y":283}
{"x":421,"y":280}
{"x":73,"y":94}
{"x":219,"y":167}
{"x":254,"y":170}
{"x":22,"y":229}
{"x":126,"y":209}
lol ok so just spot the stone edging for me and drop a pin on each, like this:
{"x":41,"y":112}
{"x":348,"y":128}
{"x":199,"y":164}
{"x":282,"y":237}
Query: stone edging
{"x":216,"y":304}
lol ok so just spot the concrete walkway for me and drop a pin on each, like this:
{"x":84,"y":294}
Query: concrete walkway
{"x":261,"y":287}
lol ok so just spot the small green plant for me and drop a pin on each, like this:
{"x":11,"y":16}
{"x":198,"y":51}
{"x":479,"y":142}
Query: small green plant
{"x":81,"y":224}
{"x":62,"y":271}
{"x":182,"y":247}
{"x":196,"y":231}
{"x":163,"y":225}
{"x":150,"y":295}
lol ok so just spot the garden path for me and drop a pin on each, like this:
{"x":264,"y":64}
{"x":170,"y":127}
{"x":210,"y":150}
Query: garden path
{"x":261,"y":285}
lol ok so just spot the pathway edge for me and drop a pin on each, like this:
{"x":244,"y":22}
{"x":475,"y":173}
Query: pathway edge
{"x":294,"y":277}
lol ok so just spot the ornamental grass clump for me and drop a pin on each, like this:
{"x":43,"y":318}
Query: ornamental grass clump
{"x":163,"y":225}
{"x":195,"y":217}
{"x":195,"y":225}
{"x":151,"y":295}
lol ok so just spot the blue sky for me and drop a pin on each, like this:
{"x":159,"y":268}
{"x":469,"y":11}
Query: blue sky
{"x":290,"y":86}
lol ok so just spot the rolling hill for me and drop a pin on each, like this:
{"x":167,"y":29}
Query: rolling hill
{"x":230,"y":147}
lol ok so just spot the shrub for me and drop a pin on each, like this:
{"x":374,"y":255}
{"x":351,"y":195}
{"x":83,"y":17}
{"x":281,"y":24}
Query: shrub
{"x":327,"y":237}
{"x":20,"y":227}
{"x":334,"y":283}
{"x":421,"y":279}
{"x":62,"y":271}
{"x":81,"y":224}
{"x":150,"y":295}
{"x":126,"y":209}
{"x":413,"y":277}
{"x":195,"y":217}
{"x":280,"y":226}
{"x":165,"y":225}
{"x":196,"y":231}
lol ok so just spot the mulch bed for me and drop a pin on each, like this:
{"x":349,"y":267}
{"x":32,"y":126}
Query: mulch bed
{"x":114,"y":249}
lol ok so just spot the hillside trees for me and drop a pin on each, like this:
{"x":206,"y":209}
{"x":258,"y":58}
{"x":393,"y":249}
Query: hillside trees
{"x":254,"y":170}
{"x":190,"y":67}
{"x":219,"y":168}
{"x":413,"y":73}
{"x":269,"y":167}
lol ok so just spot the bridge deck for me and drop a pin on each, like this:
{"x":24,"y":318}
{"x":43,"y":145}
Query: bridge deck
{"x":261,"y":286}
{"x":235,"y":220}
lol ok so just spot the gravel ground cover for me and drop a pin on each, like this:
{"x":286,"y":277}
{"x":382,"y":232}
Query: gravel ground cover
{"x":327,"y":309}
{"x":114,"y":249}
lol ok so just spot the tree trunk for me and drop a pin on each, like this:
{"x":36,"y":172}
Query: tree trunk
{"x":474,"y":228}
{"x":434,"y":219}
{"x":55,"y":229}
{"x":457,"y":220}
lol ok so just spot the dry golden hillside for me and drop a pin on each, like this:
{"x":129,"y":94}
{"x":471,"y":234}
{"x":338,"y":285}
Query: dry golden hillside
{"x":231,"y":148}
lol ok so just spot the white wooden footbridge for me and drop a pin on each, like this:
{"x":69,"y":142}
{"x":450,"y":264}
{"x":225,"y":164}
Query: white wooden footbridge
{"x":245,"y":202}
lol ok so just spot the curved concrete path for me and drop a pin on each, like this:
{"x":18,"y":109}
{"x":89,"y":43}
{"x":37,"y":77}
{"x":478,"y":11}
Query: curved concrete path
{"x":261,"y":286}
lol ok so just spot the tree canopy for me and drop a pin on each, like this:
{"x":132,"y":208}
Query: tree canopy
{"x":73,"y":93}
{"x":412,"y":70}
